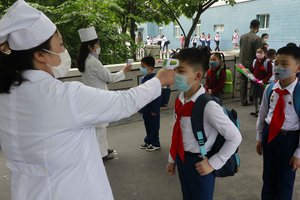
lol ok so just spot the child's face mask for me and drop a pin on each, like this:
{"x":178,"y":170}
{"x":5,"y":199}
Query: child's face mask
{"x":214,"y":64}
{"x":143,"y":70}
{"x":282,"y":73}
{"x":285,"y":67}
{"x":181,"y":83}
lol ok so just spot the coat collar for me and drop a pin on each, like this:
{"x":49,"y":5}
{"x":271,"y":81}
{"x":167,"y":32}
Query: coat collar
{"x":36,"y":75}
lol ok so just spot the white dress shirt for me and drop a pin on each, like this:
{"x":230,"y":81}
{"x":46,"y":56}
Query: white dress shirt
{"x":291,"y":122}
{"x":214,"y":121}
{"x":48,"y":137}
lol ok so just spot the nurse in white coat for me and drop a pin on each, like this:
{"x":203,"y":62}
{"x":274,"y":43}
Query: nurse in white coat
{"x":47,"y":129}
{"x":94,"y":74}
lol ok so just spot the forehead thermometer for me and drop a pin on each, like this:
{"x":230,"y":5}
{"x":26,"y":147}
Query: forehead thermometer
{"x":170,"y":63}
{"x":129,"y":61}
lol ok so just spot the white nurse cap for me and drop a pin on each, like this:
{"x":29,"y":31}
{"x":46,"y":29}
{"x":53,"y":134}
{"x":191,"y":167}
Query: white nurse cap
{"x":87,"y":34}
{"x":25,"y":27}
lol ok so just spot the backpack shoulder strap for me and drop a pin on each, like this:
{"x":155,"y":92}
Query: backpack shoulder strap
{"x":296,"y":99}
{"x":253,"y":64}
{"x":266,"y":64}
{"x":219,"y":72}
{"x":197,"y":120}
{"x":270,"y":91}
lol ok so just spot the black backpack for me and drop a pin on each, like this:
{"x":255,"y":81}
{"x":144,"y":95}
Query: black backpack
{"x":233,"y":163}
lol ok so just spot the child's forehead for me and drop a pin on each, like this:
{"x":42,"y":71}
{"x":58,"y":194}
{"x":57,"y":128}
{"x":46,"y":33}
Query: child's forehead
{"x":185,"y":65}
{"x":284,"y":57}
{"x":213,"y":56}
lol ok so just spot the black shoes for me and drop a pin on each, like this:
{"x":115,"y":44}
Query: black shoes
{"x":152,"y":148}
{"x":149,"y":147}
{"x":108,"y":157}
{"x":144,"y":146}
{"x":255,"y":114}
{"x":110,"y":151}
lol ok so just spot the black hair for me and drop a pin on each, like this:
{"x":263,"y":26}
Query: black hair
{"x":264,"y":34}
{"x":254,"y":23}
{"x":13,"y":65}
{"x":271,"y":52}
{"x":84,"y":52}
{"x":197,"y":57}
{"x":291,"y":44}
{"x":293,"y":51}
{"x":149,"y":61}
{"x":264,"y":49}
{"x":220,"y":56}
{"x":264,"y":44}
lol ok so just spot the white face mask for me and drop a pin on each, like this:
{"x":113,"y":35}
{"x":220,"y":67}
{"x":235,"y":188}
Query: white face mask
{"x":65,"y":64}
{"x":98,"y":51}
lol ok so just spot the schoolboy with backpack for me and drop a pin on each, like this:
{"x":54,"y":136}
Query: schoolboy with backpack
{"x":197,"y":163}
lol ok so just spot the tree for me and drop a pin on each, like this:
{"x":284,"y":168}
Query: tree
{"x":135,"y":12}
{"x":71,"y":15}
{"x":173,"y":9}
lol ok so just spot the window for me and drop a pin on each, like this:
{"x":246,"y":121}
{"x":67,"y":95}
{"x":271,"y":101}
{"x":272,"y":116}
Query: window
{"x":219,"y":27}
{"x":198,"y":28}
{"x":264,"y":20}
{"x":160,"y":29}
{"x":176,"y":30}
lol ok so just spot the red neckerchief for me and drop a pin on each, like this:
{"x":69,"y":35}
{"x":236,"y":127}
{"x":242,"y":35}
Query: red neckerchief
{"x":177,"y":142}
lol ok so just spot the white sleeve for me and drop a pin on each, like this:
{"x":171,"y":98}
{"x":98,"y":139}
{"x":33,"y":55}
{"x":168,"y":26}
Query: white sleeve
{"x":263,"y":113}
{"x":220,"y":121}
{"x":91,"y":106}
{"x":104,"y":74}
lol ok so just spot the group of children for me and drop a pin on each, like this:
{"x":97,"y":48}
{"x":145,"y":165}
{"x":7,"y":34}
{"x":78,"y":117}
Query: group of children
{"x":278,"y":125}
{"x":203,"y":40}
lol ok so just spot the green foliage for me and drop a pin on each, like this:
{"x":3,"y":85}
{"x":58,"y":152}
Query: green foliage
{"x":72,"y":15}
{"x":113,"y":18}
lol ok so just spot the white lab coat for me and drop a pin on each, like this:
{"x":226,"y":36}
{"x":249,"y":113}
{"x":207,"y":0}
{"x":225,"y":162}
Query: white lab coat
{"x":48,"y":137}
{"x":96,"y":75}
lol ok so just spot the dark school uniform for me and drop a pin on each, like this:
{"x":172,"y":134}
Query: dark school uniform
{"x":278,"y":175}
{"x":152,"y":123}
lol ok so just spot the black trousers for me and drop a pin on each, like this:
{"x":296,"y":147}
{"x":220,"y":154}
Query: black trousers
{"x":152,"y":124}
{"x":278,"y":175}
{"x":193,"y":185}
{"x":217,"y":46}
{"x":258,"y":92}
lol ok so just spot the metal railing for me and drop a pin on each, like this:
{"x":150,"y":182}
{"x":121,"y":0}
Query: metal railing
{"x":133,"y":77}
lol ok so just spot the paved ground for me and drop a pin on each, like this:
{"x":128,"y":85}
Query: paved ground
{"x":138,"y":175}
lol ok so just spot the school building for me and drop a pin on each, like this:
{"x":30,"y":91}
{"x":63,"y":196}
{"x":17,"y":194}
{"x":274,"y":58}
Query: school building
{"x":279,"y":18}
